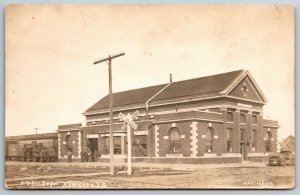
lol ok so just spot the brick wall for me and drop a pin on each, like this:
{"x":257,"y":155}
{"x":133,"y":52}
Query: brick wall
{"x":163,"y":138}
{"x":189,"y":130}
{"x":273,"y":140}
{"x":74,"y":141}
{"x":217,"y":143}
{"x":190,"y":114}
{"x":171,"y":107}
{"x":262,"y":158}
{"x":192,"y":126}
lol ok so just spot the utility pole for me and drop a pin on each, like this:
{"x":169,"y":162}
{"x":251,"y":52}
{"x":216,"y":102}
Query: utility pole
{"x":111,"y":146}
{"x":36,"y":130}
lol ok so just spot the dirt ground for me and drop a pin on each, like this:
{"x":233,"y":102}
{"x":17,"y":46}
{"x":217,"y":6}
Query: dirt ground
{"x":52,"y":176}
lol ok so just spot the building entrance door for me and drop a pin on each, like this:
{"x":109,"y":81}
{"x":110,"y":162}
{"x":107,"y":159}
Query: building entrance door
{"x":93,"y":145}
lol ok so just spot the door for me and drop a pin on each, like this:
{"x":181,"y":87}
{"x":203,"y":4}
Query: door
{"x":93,"y":143}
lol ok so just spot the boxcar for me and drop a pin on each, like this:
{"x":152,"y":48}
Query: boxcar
{"x":35,"y":148}
{"x":11,"y":150}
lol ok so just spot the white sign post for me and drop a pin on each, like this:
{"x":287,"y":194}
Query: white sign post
{"x":129,"y":149}
{"x":129,"y":123}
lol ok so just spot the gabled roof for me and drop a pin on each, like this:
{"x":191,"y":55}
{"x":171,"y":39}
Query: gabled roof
{"x":209,"y":85}
{"x":123,"y":98}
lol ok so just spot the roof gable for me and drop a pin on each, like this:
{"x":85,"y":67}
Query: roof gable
{"x":246,"y":88}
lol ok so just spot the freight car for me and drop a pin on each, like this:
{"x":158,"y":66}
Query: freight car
{"x":35,"y":148}
{"x":11,"y":150}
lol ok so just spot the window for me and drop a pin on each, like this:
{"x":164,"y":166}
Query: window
{"x":175,"y":140}
{"x":268,"y":141}
{"x":69,"y":143}
{"x":105,"y":145}
{"x":254,"y":119}
{"x":242,"y":135}
{"x":209,"y":134}
{"x":242,"y":118}
{"x":229,"y":146}
{"x":230,"y":117}
{"x":253,"y":149}
{"x":254,"y":137}
{"x":117,"y":144}
{"x":229,"y":140}
{"x":268,"y":148}
{"x":141,"y":142}
{"x":269,"y":136}
{"x":229,"y":134}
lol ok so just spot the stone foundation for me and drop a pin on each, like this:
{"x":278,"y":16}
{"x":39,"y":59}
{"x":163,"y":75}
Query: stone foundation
{"x":258,"y":157}
{"x":201,"y":160}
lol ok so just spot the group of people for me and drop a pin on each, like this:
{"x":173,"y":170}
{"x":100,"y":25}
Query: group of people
{"x":88,"y":156}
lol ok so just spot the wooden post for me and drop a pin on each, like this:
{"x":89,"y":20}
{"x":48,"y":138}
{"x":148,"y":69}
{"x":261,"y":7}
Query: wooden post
{"x":111,"y":145}
{"x":129,"y":123}
{"x":111,"y":138}
{"x":129,"y":149}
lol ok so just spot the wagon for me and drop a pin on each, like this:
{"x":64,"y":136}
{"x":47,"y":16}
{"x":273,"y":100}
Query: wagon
{"x":285,"y":157}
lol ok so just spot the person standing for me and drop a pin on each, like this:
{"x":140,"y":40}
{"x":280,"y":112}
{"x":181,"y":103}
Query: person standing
{"x":86,"y":155}
{"x":95,"y":156}
{"x":89,"y":155}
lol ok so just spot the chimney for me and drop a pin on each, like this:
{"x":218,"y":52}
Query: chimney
{"x":171,"y":78}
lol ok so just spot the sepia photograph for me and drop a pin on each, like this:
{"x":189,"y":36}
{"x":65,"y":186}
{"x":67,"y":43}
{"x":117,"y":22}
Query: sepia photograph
{"x":149,"y":96}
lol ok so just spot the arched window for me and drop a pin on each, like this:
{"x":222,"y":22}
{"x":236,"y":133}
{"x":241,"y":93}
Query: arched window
{"x":269,"y":136}
{"x":69,"y":143}
{"x":268,"y":141}
{"x":230,"y":117}
{"x":242,"y":118}
{"x":254,"y":119}
{"x":254,"y":139}
{"x":209,"y":136}
{"x":175,"y":142}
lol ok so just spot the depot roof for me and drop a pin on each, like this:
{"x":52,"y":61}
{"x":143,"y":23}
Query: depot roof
{"x":209,"y":85}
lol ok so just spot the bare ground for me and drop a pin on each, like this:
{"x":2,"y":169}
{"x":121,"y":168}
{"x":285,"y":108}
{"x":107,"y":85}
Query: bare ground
{"x":53,"y":176}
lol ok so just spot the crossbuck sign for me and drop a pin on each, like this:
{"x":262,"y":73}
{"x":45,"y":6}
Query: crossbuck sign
{"x":129,"y":119}
{"x":128,"y":123}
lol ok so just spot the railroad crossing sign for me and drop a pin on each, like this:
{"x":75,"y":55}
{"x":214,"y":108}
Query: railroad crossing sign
{"x":128,"y":123}
{"x":129,"y":120}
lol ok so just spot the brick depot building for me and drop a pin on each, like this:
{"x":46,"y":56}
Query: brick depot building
{"x":213,"y":119}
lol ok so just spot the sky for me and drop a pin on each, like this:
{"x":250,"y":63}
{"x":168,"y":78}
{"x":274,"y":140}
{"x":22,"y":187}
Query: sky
{"x":50,"y":78}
